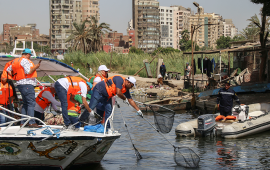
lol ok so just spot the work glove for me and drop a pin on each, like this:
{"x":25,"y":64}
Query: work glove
{"x":93,"y":114}
{"x":58,"y":112}
{"x":126,"y":101}
{"x":139,"y":113}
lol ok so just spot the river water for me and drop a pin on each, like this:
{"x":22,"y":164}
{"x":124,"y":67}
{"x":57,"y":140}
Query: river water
{"x":216,"y":153}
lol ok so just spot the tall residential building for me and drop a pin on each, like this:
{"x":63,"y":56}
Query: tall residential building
{"x":6,"y":32}
{"x":146,"y":23}
{"x":206,"y":35}
{"x":229,"y":28}
{"x":62,"y":15}
{"x":167,"y":27}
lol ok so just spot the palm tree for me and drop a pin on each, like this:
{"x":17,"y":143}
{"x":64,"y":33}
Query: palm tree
{"x":250,"y":33}
{"x":79,"y":37}
{"x":96,"y":33}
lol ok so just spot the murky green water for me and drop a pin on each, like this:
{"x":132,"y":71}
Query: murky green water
{"x":252,"y":152}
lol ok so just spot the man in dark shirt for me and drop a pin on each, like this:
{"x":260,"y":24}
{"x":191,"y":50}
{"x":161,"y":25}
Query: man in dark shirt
{"x":162,"y":70}
{"x":101,"y":97}
{"x":225,"y":100}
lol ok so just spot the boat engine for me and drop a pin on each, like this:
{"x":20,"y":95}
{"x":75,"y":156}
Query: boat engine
{"x":206,"y":124}
{"x":240,"y":112}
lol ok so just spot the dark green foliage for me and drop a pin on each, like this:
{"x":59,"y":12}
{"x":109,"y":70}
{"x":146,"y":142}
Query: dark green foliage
{"x":266,"y":7}
{"x":186,"y":45}
{"x":135,"y":50}
{"x":223,"y":42}
{"x":167,"y":50}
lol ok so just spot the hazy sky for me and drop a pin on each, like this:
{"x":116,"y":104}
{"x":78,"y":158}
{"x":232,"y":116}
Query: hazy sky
{"x":117,"y":13}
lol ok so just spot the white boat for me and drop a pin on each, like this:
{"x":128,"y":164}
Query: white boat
{"x":250,"y":119}
{"x":21,"y":147}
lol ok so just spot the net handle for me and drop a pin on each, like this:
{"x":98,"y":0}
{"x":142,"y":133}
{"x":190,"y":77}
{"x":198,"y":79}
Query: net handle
{"x":154,"y":105}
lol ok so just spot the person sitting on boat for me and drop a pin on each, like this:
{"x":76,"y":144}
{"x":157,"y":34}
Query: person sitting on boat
{"x":105,"y":90}
{"x":7,"y":95}
{"x":43,"y":100}
{"x":5,"y":76}
{"x":71,"y":85}
{"x":100,"y":75}
{"x":225,"y":100}
{"x":23,"y":70}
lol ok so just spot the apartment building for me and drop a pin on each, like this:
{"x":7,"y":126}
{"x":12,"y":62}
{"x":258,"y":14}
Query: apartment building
{"x":6,"y":32}
{"x":229,"y":28}
{"x":206,"y":35}
{"x":62,"y":15}
{"x":167,"y":27}
{"x":146,"y":23}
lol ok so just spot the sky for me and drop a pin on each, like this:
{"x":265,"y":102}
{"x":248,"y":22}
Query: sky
{"x":118,"y":13}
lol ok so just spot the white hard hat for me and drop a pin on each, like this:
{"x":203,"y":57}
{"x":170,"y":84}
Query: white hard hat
{"x":132,"y":80}
{"x":103,"y":67}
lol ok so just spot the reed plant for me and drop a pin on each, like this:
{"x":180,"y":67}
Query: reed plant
{"x":129,"y":64}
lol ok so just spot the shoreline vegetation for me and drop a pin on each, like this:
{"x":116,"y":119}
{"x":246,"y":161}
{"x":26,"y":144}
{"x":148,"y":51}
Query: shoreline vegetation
{"x":129,"y":64}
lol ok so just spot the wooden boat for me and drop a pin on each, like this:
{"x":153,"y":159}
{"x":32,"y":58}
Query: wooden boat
{"x":172,"y":104}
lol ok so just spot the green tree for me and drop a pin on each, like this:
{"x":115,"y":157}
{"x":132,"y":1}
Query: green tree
{"x":238,"y":38}
{"x":96,"y":33}
{"x":223,"y":42}
{"x":135,"y":50}
{"x":186,"y":45}
{"x":264,"y":32}
{"x":250,"y":33}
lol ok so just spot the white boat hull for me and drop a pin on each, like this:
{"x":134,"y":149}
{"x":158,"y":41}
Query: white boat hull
{"x":259,"y":121}
{"x":67,"y":150}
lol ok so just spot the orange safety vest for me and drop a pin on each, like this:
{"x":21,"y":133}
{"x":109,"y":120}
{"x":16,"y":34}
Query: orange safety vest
{"x":18,"y":70}
{"x":111,"y":88}
{"x":72,"y":107}
{"x":41,"y":101}
{"x":5,"y":74}
{"x":5,"y":92}
{"x":74,"y":87}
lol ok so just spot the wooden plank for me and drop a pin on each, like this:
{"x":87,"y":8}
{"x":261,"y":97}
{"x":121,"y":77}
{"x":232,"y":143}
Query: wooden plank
{"x":148,"y":70}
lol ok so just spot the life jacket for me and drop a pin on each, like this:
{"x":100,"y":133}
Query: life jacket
{"x":230,"y":118}
{"x":72,"y":109}
{"x":92,"y":78}
{"x":220,"y":117}
{"x":5,"y":74}
{"x":5,"y":92}
{"x":41,"y":101}
{"x":74,"y":87}
{"x":18,"y":70}
{"x":111,"y":88}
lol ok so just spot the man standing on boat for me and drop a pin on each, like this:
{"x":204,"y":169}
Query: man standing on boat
{"x":23,"y":70}
{"x":105,"y":90}
{"x":43,"y":100}
{"x":66,"y":88}
{"x":225,"y":100}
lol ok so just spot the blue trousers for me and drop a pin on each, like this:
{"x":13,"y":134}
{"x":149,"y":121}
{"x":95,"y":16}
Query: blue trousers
{"x":29,"y":101}
{"x":98,"y":99}
{"x":74,"y":120}
{"x":62,"y":95}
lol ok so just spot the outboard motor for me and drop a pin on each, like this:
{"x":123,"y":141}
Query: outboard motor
{"x":240,"y":112}
{"x":206,"y":124}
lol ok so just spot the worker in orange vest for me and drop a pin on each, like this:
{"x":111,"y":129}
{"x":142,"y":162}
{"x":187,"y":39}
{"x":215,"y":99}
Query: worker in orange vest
{"x":43,"y":100}
{"x":7,"y":95}
{"x":5,"y":74}
{"x":100,"y":75}
{"x":68,"y":86}
{"x":105,"y":90}
{"x":23,"y":70}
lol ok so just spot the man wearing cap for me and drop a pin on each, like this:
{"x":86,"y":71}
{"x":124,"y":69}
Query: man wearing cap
{"x":100,"y":75}
{"x":68,"y":87}
{"x":23,"y":70}
{"x":43,"y":100}
{"x":105,"y":90}
{"x":225,"y":100}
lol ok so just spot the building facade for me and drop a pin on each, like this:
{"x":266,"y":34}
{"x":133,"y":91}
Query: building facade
{"x":146,"y":24}
{"x":206,"y":35}
{"x":6,"y":32}
{"x":229,"y":28}
{"x":167,"y":27}
{"x":62,"y":15}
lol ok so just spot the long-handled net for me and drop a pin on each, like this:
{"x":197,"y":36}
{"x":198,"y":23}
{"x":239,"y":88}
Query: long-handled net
{"x":85,"y":117}
{"x":183,"y":156}
{"x":164,"y":121}
{"x":137,"y":153}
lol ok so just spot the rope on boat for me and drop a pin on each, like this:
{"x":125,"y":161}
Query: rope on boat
{"x":45,"y":131}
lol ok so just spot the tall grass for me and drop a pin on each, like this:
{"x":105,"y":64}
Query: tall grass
{"x":129,"y":64}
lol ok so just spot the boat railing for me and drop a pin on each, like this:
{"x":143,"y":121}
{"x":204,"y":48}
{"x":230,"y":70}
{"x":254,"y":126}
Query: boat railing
{"x":10,"y":123}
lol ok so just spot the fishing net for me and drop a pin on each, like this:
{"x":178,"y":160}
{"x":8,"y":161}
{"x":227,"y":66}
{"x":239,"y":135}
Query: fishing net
{"x":186,"y":157}
{"x":85,"y":117}
{"x":164,"y":121}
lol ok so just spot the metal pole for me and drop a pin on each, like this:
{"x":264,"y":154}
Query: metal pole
{"x":192,"y":50}
{"x":220,"y":66}
{"x":229,"y":64}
